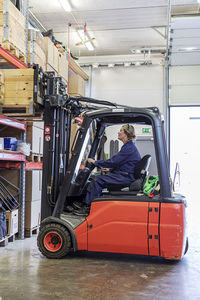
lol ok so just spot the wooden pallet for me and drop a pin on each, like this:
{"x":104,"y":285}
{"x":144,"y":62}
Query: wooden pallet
{"x":10,"y":47}
{"x":4,"y":242}
{"x":17,"y":110}
{"x":29,"y":232}
{"x":35,"y":157}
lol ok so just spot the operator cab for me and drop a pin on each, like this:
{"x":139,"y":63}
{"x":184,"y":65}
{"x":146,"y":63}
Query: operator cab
{"x":105,"y":124}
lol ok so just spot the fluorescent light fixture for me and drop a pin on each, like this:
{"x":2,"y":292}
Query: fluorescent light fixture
{"x":65,"y":4}
{"x":137,"y":63}
{"x":95,"y":66}
{"x":127,"y":64}
{"x":85,"y":39}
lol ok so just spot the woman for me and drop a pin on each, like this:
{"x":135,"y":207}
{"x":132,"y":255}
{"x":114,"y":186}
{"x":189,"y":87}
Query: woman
{"x":119,"y":169}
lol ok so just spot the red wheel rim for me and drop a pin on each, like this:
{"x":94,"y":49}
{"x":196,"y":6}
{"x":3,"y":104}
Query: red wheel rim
{"x":52,"y":241}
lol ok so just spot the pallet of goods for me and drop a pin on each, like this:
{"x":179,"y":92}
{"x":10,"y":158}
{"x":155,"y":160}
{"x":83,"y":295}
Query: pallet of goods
{"x":12,"y":30}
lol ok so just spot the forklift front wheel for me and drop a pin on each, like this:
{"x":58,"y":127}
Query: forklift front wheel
{"x":54,"y":240}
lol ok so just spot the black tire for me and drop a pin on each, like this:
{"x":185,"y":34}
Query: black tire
{"x":186,"y":246}
{"x":54,"y":241}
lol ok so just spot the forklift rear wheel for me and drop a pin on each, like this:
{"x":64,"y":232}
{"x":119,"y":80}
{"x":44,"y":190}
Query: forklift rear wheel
{"x":54,"y":241}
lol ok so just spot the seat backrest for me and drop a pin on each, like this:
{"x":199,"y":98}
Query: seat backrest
{"x":142,"y":166}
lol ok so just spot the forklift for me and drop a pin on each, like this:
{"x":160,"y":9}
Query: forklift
{"x":123,"y":220}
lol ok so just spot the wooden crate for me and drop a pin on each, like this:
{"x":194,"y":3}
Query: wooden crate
{"x":12,"y":29}
{"x":17,"y":90}
{"x":36,"y":48}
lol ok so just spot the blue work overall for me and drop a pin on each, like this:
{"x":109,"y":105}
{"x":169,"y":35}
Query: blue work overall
{"x":121,"y":168}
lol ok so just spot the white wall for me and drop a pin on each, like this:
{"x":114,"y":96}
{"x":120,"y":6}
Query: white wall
{"x":135,"y":86}
{"x":184,"y":85}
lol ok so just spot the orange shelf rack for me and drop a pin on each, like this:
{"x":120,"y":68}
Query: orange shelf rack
{"x":12,"y":123}
{"x":16,"y":165}
{"x":11,"y":155}
{"x":12,"y":59}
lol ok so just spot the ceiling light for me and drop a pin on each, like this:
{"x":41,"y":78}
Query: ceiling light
{"x":137,"y":63}
{"x":95,"y":66}
{"x":110,"y":65}
{"x":65,"y":4}
{"x":85,"y":39}
{"x":127,"y":64}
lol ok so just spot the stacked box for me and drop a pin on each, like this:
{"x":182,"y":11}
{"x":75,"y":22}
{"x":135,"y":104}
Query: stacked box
{"x":76,"y":85}
{"x":17,"y":87}
{"x":36,"y":48}
{"x":12,"y":27}
{"x":33,"y":199}
{"x":63,"y":66}
{"x":12,"y":221}
{"x":52,"y":55}
{"x":34,"y":136}
{"x":77,"y":79}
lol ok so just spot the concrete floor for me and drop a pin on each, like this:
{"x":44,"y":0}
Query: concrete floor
{"x":26,"y":274}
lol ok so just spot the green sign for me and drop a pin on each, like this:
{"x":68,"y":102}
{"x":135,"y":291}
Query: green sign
{"x":146,"y":130}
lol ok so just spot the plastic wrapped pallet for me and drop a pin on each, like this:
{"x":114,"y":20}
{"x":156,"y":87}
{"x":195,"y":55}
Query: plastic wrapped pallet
{"x":12,"y":29}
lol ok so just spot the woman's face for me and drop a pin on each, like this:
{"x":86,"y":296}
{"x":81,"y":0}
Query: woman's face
{"x":122,"y":135}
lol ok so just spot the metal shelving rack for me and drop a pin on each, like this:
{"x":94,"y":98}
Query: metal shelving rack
{"x":16,"y":159}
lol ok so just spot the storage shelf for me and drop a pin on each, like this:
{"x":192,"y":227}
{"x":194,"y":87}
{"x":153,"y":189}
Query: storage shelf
{"x":12,"y":123}
{"x":11,"y":59}
{"x":10,"y":155}
{"x":15,"y":165}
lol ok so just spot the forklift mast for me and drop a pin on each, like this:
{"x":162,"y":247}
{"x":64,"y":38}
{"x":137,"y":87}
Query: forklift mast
{"x":59,"y":109}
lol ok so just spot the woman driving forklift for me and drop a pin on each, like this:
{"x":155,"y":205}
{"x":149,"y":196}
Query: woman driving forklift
{"x":119,"y":169}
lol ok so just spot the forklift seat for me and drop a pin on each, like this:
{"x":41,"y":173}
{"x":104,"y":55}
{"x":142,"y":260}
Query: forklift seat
{"x":140,"y":173}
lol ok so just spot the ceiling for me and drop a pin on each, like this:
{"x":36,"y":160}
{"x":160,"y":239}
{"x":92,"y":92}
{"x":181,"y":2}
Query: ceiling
{"x":118,"y":26}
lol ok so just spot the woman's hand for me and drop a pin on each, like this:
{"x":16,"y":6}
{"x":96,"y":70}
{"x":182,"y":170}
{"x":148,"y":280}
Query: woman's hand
{"x":91,"y":160}
{"x":106,"y":170}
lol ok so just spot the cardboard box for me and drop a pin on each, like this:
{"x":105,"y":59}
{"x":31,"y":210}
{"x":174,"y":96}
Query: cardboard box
{"x":63,"y":66}
{"x":76,"y":85}
{"x":35,"y":136}
{"x":36,"y":48}
{"x":32,"y":214}
{"x":52,"y":54}
{"x":12,"y":221}
{"x":33,"y":185}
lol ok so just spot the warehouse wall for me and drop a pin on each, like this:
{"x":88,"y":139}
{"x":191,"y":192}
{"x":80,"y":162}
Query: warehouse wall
{"x":184,"y":85}
{"x":135,"y":86}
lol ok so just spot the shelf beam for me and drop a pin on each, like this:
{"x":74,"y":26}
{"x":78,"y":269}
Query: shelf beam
{"x":12,"y":59}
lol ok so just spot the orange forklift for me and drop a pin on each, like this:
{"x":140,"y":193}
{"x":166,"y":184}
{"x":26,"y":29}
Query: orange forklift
{"x":121,"y":220}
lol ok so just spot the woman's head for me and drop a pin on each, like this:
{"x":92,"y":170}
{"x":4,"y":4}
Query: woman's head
{"x":126,"y":133}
